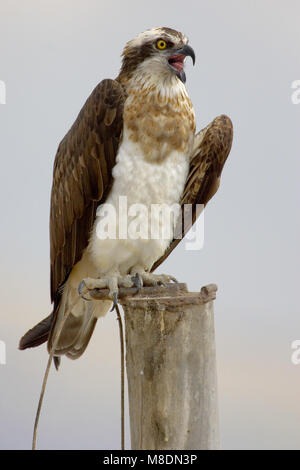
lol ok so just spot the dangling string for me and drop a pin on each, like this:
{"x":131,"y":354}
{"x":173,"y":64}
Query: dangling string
{"x":51,"y":354}
{"x":119,"y":318}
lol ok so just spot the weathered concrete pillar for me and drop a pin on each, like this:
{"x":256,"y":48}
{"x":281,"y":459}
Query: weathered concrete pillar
{"x":171,"y":368}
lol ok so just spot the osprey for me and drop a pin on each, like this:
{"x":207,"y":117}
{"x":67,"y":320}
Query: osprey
{"x":134,"y":137}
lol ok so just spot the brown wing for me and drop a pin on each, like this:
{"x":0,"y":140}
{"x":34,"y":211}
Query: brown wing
{"x":213,"y":145}
{"x":82,"y":177}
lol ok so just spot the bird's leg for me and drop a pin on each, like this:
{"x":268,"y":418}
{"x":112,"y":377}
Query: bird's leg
{"x":111,"y":281}
{"x":142,"y":278}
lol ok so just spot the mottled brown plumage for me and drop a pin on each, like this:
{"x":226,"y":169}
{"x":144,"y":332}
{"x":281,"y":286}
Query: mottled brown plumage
{"x":82,"y":177}
{"x":168,"y":121}
{"x":81,"y":180}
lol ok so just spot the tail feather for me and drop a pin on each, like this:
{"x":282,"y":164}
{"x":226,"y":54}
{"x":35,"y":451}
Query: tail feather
{"x":79,"y":325}
{"x":77,"y":330}
{"x":37,"y":335}
{"x":75,"y":335}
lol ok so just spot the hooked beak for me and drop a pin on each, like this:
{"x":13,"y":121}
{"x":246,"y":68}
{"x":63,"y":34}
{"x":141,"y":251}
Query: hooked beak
{"x":188,"y":51}
{"x":176,"y":61}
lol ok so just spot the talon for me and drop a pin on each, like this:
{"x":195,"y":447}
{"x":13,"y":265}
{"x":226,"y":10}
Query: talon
{"x":80,"y":287}
{"x":137,"y":281}
{"x":115,"y":301}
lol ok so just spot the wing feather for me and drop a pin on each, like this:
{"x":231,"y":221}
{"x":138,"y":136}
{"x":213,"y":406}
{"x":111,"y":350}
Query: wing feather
{"x":213,"y":144}
{"x":82,"y":177}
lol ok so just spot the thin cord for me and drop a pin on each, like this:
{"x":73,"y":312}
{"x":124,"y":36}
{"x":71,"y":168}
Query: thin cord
{"x":119,"y":318}
{"x":51,"y":354}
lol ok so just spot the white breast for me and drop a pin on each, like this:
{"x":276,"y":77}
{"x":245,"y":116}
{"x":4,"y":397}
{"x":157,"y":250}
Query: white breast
{"x":144,"y":183}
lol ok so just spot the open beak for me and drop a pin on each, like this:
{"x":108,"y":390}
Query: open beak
{"x":176,"y":61}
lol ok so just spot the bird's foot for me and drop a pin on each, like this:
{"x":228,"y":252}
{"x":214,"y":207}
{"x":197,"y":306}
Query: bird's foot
{"x":137,"y":278}
{"x":142,"y":278}
{"x":110,"y":281}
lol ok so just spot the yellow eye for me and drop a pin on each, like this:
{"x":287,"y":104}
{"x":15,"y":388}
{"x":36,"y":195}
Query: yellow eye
{"x":161,"y":44}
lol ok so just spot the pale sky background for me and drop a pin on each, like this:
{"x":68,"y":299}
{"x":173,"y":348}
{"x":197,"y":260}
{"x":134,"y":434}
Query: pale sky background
{"x":52,"y":54}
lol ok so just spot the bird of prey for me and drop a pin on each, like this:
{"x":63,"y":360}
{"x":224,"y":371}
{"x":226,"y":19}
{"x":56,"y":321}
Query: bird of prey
{"x":134,"y":137}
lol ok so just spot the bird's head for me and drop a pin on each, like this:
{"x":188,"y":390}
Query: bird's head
{"x":157,"y":51}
